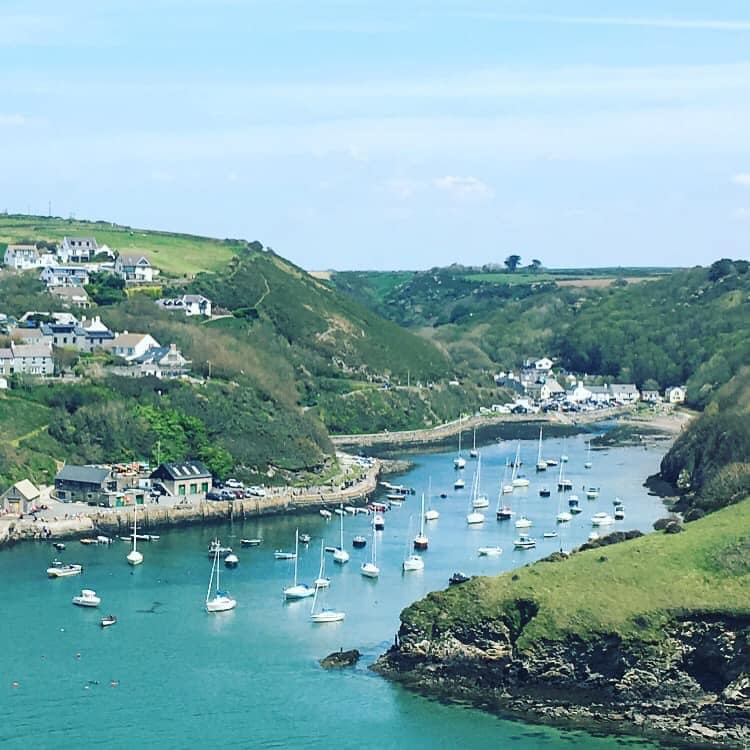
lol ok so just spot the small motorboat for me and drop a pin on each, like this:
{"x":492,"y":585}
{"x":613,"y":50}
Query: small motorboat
{"x":215,"y":547}
{"x":431,"y":515}
{"x":551,"y":462}
{"x":544,"y":492}
{"x":564,"y":516}
{"x":475,"y":517}
{"x":251,"y":542}
{"x":504,"y":514}
{"x":443,"y":495}
{"x":524,"y":541}
{"x":107,"y":621}
{"x":331,"y":549}
{"x":395,"y":497}
{"x":359,"y":541}
{"x":325,"y":513}
{"x":592,"y":493}
{"x":550,"y":534}
{"x":458,"y":578}
{"x":520,"y":482}
{"x":564,"y":485}
{"x":104,"y":539}
{"x":601,"y":519}
{"x":59,"y":546}
{"x":523,"y":523}
{"x":350,"y":509}
{"x":304,"y":538}
{"x":413,"y":562}
{"x":379,"y":523}
{"x":490,"y":551}
{"x":327,"y":615}
{"x":88,"y":540}
{"x":60,"y":570}
{"x":231,"y":560}
{"x":619,"y":513}
{"x":340,"y":511}
{"x":87,"y":598}
{"x":281,"y":555}
{"x":459,"y":484}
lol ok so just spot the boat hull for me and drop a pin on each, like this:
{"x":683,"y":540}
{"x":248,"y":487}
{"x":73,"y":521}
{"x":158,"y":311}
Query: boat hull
{"x":220,"y":604}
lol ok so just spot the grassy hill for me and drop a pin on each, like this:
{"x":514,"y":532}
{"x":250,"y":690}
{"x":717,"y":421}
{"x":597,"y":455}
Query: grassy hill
{"x":171,"y":252}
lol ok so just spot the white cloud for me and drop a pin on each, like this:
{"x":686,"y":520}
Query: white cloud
{"x":464,"y":187}
{"x":698,"y":24}
{"x":743,"y":178}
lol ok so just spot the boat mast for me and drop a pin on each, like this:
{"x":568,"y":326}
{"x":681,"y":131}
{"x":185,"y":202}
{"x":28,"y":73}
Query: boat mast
{"x":341,"y":518}
{"x":296,"y":549}
{"x":539,"y":454}
{"x":421,"y":519}
{"x":135,"y":524}
{"x":211,"y":579}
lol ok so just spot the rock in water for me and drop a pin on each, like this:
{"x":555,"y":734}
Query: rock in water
{"x":340,"y":658}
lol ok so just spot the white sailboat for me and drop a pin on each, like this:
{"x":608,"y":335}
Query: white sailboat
{"x":420,"y":540}
{"x":506,"y":487}
{"x":134,"y":556}
{"x":563,"y":484}
{"x":411,"y":562}
{"x":490,"y":551}
{"x":459,"y":462}
{"x":326,"y":614}
{"x":297,"y":590}
{"x":503,"y":512}
{"x":474,"y":516}
{"x":588,"y":463}
{"x":322,"y":582}
{"x":370,"y":569}
{"x":563,"y":516}
{"x":341,"y":556}
{"x":220,"y":601}
{"x":541,"y":464}
{"x":430,"y":514}
{"x":473,"y":453}
{"x":479,"y":500}
{"x":518,"y":481}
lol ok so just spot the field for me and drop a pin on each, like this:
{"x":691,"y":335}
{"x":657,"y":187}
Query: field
{"x":584,"y":278}
{"x":639,"y":584}
{"x":174,"y":254}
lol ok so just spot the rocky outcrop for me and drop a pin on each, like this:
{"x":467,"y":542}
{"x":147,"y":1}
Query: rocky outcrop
{"x":693,"y":686}
{"x":341,"y":658}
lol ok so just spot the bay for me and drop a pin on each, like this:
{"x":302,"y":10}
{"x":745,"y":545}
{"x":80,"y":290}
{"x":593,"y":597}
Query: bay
{"x":170,"y":675}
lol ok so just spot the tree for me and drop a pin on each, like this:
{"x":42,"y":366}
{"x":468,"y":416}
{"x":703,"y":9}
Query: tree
{"x":512,"y":262}
{"x":536,"y":266}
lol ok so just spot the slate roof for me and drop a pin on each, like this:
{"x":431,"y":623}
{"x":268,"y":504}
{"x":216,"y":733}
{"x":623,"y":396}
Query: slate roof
{"x":183,"y":470}
{"x":86,"y":474}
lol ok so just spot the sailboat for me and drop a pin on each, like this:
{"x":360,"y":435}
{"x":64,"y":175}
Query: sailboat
{"x":411,"y":561}
{"x":480,"y":500}
{"x":430,"y":514}
{"x":221,"y":601}
{"x":474,"y":516}
{"x":322,"y":582}
{"x":517,"y":481}
{"x":588,"y":463}
{"x":541,"y":464}
{"x":297,"y":590}
{"x":564,"y":456}
{"x":506,"y":487}
{"x":341,"y":556}
{"x":522,"y":522}
{"x":503,"y":512}
{"x":326,"y":614}
{"x":370,"y":569}
{"x":459,"y":462}
{"x":474,"y":453}
{"x":134,"y":556}
{"x":563,"y":516}
{"x":420,"y":540}
{"x":563,"y":484}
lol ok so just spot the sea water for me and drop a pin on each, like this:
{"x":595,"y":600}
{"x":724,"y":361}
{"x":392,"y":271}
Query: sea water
{"x":170,"y":675}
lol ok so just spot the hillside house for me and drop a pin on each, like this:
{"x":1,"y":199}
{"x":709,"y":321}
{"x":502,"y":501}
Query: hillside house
{"x":188,"y":482}
{"x":551,"y":389}
{"x":71,"y":296}
{"x":130,"y":346}
{"x":27,"y":359}
{"x":83,"y":484}
{"x":64,"y":334}
{"x":20,"y":498}
{"x":162,"y":362}
{"x":580,"y":393}
{"x":625,"y":393}
{"x":98,"y":336}
{"x":77,"y":249}
{"x":189,"y":304}
{"x":134,"y":269}
{"x":21,"y":257}
{"x":651,"y":396}
{"x":600,"y":394}
{"x":675,"y":395}
{"x":56,"y":276}
{"x":543,"y":365}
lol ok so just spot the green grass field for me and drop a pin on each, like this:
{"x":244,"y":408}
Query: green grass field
{"x":19,"y":417}
{"x":174,"y":254}
{"x":629,"y":589}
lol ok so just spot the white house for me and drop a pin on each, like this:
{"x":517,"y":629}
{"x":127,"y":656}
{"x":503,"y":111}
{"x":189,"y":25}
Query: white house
{"x":21,"y":257}
{"x":625,"y":393}
{"x":675,"y":395}
{"x":28,"y":359}
{"x":64,"y":276}
{"x":71,"y":295}
{"x":162,"y":362}
{"x":651,"y":396}
{"x":134,"y":268}
{"x":77,"y":249}
{"x":130,"y":346}
{"x":551,"y":388}
{"x":543,"y":365}
{"x":579,"y":393}
{"x":189,"y":304}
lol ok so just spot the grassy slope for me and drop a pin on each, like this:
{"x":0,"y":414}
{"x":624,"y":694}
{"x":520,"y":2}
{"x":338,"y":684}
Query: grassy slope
{"x":173,"y":253}
{"x":641,"y":584}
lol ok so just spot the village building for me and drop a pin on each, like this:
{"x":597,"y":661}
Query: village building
{"x":579,"y":393}
{"x":134,"y":269}
{"x":71,"y":296}
{"x":651,"y":396}
{"x":130,"y":346}
{"x":77,"y":249}
{"x":64,"y":334}
{"x":675,"y":395}
{"x":543,"y":365}
{"x":83,"y":484}
{"x":162,"y":362}
{"x":20,"y":498}
{"x":188,"y":482}
{"x":189,"y":304}
{"x":625,"y":393}
{"x":98,"y":336}
{"x":27,"y":359}
{"x":551,"y":389}
{"x":600,"y":394}
{"x":21,"y":257}
{"x":56,"y":276}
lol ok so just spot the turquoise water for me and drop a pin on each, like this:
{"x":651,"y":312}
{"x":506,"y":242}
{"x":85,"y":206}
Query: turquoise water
{"x":249,"y":678}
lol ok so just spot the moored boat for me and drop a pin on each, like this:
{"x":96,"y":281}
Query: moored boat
{"x":231,"y":560}
{"x":524,"y":541}
{"x":251,"y":542}
{"x":490,"y":551}
{"x":458,"y":578}
{"x":107,"y":621}
{"x":359,"y":541}
{"x":87,"y":598}
{"x":61,"y":570}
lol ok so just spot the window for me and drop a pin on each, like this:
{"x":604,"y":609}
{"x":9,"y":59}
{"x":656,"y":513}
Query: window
{"x":204,"y":486}
{"x":180,"y":489}
{"x":193,"y":489}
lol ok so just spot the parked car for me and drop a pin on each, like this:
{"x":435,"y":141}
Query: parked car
{"x":233,"y":483}
{"x":214,"y":495}
{"x":256,"y":491}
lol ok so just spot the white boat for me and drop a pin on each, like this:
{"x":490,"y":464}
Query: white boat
{"x":340,"y":511}
{"x":479,"y":500}
{"x":325,"y":513}
{"x":459,"y":484}
{"x":322,"y":582}
{"x":251,"y":542}
{"x":524,"y":541}
{"x":619,"y":513}
{"x":430,"y":514}
{"x":87,"y":598}
{"x":474,"y":517}
{"x":304,"y":538}
{"x":602,"y":519}
{"x":370,"y":569}
{"x":552,"y":462}
{"x":359,"y":541}
{"x":523,"y":523}
{"x":564,"y":516}
{"x":515,"y":480}
{"x":490,"y":551}
{"x":593,"y":536}
{"x":550,"y":534}
{"x":588,"y":463}
{"x":135,"y":557}
{"x":350,"y":509}
{"x":592,"y":493}
{"x":573,"y":505}
{"x":279,"y":554}
{"x":107,"y":621}
{"x":220,"y":601}
{"x":341,"y":556}
{"x":413,"y":562}
{"x":231,"y":560}
{"x":459,"y":462}
{"x":378,"y":522}
{"x":421,"y":540}
{"x":215,"y":547}
{"x":326,"y":614}
{"x":541,"y":464}
{"x":297,"y":590}
{"x":59,"y":570}
{"x":563,"y":484}
{"x":474,"y":453}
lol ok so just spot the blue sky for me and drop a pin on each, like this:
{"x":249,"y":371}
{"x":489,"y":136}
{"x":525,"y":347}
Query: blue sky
{"x":363,"y":134}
